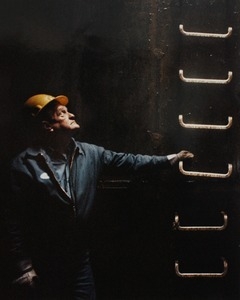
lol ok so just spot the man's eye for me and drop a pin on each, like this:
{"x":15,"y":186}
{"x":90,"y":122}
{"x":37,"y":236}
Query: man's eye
{"x":61,"y":113}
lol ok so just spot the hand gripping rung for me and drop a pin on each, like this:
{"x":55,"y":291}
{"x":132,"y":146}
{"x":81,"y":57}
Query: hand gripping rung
{"x":205,"y":126}
{"x":209,"y":275}
{"x":205,"y":174}
{"x":201,"y":80}
{"x":177,"y":226}
{"x":205,"y":34}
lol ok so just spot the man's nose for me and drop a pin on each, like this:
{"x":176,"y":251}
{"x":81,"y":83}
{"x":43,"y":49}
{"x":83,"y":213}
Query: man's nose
{"x":71,"y":116}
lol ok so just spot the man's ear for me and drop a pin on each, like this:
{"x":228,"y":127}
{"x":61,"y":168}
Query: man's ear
{"x":47,"y":126}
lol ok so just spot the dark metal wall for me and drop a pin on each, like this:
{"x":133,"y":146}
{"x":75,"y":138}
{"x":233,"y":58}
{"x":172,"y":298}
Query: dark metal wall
{"x":119,"y":61}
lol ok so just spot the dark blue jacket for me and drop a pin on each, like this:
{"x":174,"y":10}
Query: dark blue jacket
{"x":45,"y":221}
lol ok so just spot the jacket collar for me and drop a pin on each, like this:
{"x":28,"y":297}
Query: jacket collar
{"x":40,"y":151}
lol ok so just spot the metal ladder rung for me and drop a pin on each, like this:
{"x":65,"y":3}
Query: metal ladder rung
{"x":194,"y":275}
{"x":177,"y":226}
{"x":205,"y":34}
{"x":205,"y":174}
{"x":205,"y":126}
{"x":201,"y":80}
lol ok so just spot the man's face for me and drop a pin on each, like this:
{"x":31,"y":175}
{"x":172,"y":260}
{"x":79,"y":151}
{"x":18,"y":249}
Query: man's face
{"x":62,"y":120}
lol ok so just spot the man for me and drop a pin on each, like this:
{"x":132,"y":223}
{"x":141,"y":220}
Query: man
{"x":53,"y":187}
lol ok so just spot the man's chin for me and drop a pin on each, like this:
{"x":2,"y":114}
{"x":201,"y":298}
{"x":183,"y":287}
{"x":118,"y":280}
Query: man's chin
{"x":76,"y":128}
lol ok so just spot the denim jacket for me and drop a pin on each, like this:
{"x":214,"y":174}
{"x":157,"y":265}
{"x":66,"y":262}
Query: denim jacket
{"x":43,"y":217}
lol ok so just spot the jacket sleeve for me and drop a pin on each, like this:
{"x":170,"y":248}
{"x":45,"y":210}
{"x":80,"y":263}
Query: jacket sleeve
{"x":14,"y":219}
{"x":135,"y":163}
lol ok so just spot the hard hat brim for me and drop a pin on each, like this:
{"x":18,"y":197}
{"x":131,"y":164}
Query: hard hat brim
{"x":62,"y":99}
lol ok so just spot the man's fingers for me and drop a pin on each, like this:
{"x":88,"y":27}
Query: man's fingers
{"x":185,"y":154}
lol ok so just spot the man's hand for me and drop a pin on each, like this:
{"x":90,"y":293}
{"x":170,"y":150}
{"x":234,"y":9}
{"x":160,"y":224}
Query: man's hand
{"x":184,"y":154}
{"x":28,"y":279}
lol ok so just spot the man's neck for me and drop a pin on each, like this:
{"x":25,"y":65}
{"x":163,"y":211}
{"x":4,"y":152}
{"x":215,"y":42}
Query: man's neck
{"x":60,"y":144}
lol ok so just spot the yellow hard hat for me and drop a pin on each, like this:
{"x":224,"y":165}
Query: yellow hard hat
{"x":37,"y":102}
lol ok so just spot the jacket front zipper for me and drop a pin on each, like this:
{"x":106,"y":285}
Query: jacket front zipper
{"x":72,"y":201}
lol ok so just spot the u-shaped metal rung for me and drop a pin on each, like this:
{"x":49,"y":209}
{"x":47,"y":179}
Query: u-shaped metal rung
{"x":205,"y":34}
{"x":205,"y":126}
{"x":194,"y":275}
{"x":205,"y":174}
{"x":177,"y":226}
{"x":201,"y":80}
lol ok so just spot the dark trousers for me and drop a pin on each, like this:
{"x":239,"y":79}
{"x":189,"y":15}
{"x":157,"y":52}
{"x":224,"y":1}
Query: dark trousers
{"x":63,"y":281}
{"x":73,"y":280}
